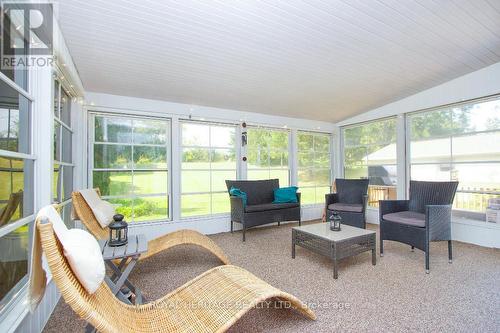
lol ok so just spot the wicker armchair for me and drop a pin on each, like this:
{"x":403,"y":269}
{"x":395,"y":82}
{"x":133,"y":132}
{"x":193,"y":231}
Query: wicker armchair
{"x":260,"y":209}
{"x":426,"y":217}
{"x":179,"y":237}
{"x":349,"y":201}
{"x":211,"y":302}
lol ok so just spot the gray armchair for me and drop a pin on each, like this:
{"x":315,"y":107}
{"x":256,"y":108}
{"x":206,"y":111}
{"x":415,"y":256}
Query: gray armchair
{"x":426,"y":217}
{"x":349,"y":201}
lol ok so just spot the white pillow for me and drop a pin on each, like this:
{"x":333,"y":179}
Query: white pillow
{"x":103,"y":210}
{"x":50,"y":213}
{"x":80,"y":248}
{"x":85,"y":258}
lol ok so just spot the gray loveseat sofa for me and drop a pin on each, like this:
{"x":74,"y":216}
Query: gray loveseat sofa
{"x":260,"y":209}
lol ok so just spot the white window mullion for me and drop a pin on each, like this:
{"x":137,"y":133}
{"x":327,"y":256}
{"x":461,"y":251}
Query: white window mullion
{"x":176,"y":157}
{"x":241,"y":151}
{"x":293,"y":159}
{"x":401,"y":156}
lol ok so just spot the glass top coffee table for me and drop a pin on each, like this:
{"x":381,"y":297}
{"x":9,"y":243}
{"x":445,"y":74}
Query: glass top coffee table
{"x":336,"y":245}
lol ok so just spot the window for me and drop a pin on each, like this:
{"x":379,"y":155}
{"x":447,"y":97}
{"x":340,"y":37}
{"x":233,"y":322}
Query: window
{"x":370,"y":152}
{"x":267,"y":155}
{"x":208,"y":159}
{"x":314,"y":167}
{"x":130,"y":165}
{"x":62,"y":179}
{"x":459,"y":143}
{"x":16,"y":193}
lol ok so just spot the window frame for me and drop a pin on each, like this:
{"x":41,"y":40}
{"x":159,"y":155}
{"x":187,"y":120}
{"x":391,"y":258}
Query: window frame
{"x":92,"y":114}
{"x":12,"y":297}
{"x":64,"y":203}
{"x":463,"y":213}
{"x":209,"y":148}
{"x":343,"y":147}
{"x":313,"y":168}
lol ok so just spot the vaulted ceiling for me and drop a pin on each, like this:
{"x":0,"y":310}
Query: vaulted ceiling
{"x":324,"y":60}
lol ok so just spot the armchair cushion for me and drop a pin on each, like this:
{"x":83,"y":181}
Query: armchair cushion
{"x":344,"y":207}
{"x":270,"y":206}
{"x":406,"y":217}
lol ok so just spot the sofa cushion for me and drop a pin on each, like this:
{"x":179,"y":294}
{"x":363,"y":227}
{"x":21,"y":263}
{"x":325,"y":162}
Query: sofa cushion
{"x":407,"y":217}
{"x":270,"y":206}
{"x":344,"y":207}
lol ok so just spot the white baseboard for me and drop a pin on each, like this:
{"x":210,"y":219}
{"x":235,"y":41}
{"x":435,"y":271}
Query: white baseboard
{"x":208,"y":224}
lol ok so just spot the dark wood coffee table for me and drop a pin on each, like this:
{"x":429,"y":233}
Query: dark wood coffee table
{"x":336,"y":245}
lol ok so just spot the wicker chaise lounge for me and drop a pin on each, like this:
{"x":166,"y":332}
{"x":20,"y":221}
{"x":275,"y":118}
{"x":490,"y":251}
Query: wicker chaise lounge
{"x":180,"y":237}
{"x":211,"y":302}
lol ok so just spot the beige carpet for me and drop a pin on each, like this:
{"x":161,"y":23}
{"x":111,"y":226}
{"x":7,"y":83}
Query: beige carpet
{"x":395,"y":295}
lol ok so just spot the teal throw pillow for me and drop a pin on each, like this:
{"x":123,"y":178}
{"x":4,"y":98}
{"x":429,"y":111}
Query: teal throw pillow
{"x":285,"y":194}
{"x":236,"y":192}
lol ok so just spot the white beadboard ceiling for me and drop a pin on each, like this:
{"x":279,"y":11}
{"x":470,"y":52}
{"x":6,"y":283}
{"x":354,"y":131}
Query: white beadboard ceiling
{"x":323,"y":60}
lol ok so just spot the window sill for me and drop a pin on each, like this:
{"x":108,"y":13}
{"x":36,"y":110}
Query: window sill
{"x":476,"y":223}
{"x":147,"y":223}
{"x":181,"y":220}
{"x":312,"y":205}
{"x":15,"y":312}
{"x":203,"y":217}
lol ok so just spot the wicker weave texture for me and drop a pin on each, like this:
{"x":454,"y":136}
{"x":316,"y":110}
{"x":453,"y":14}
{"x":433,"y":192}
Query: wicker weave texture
{"x":180,"y":237}
{"x":212,"y":302}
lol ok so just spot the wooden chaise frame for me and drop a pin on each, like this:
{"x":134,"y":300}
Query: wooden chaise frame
{"x":179,"y":237}
{"x":211,"y":302}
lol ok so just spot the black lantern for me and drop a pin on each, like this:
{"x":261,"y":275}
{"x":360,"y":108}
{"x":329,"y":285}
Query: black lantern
{"x":118,"y":231}
{"x":335,"y":220}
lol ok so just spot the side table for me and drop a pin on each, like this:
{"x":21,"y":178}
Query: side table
{"x":121,"y":260}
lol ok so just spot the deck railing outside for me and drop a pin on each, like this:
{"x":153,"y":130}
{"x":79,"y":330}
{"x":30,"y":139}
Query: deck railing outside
{"x":470,"y":198}
{"x":380,"y":192}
